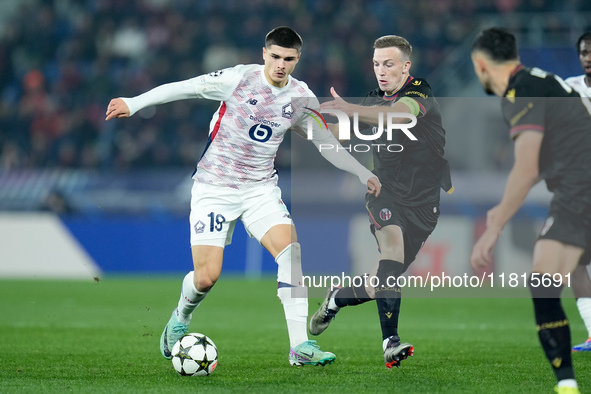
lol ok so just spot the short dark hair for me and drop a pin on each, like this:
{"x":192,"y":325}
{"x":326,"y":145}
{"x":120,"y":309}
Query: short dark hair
{"x":396,"y":42}
{"x":285,"y":37}
{"x":497,"y":43}
{"x":584,"y":37}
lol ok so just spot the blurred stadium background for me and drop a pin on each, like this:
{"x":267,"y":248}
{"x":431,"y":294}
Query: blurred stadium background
{"x":81,"y":197}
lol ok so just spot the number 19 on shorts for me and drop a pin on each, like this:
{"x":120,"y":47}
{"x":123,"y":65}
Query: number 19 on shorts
{"x":215,"y":221}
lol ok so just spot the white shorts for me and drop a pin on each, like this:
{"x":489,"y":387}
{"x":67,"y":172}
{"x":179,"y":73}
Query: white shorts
{"x":215,"y":209}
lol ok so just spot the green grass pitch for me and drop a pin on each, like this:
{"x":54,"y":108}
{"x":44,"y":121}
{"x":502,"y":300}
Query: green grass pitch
{"x":61,"y":336}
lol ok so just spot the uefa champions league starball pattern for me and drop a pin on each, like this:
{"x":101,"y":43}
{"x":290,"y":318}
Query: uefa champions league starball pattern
{"x":194,"y":354}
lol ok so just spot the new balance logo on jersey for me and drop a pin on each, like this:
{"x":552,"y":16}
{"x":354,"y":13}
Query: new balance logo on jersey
{"x":216,"y":73}
{"x":252,"y":101}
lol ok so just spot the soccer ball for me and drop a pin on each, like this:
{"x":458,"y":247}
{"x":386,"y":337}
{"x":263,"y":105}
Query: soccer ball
{"x":194,"y":355}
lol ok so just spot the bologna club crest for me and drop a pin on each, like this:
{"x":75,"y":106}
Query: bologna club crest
{"x":385,"y":214}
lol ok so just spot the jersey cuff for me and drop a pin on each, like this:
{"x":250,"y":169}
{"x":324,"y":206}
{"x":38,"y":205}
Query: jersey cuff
{"x":128,"y":101}
{"x":515,"y":131}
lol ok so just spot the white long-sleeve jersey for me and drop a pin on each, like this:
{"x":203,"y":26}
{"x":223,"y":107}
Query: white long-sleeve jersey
{"x":579,"y":84}
{"x":249,"y":125}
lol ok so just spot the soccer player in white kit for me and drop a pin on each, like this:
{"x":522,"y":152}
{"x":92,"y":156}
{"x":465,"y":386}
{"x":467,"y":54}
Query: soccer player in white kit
{"x":581,"y":281}
{"x":235,"y":178}
{"x":582,"y":83}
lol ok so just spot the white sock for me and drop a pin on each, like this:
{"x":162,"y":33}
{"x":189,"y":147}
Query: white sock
{"x":584,"y":305}
{"x":568,"y":383}
{"x":189,"y":300}
{"x":294,"y":296}
{"x":295,"y":307}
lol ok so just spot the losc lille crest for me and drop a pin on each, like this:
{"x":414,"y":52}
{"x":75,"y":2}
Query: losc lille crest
{"x":287,"y":111}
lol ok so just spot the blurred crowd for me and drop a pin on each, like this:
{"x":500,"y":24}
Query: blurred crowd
{"x":61,"y":62}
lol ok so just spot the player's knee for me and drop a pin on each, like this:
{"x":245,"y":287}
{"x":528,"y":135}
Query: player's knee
{"x":392,"y":252}
{"x":391,"y":243}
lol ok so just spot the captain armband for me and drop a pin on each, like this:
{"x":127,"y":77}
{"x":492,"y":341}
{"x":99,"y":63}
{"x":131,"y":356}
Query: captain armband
{"x":412,"y":104}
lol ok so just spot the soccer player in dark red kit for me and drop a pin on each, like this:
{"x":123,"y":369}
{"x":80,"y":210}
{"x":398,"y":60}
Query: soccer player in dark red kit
{"x":549,"y":124}
{"x":407,"y":210}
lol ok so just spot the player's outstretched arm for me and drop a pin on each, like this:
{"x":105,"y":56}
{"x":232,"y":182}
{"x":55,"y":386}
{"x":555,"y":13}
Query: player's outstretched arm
{"x":328,"y":146}
{"x":335,"y":154}
{"x":117,"y":109}
{"x":123,"y":107}
{"x":370,"y":115}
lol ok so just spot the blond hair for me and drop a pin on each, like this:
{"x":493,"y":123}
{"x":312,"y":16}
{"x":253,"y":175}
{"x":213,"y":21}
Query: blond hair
{"x":394,"y":41}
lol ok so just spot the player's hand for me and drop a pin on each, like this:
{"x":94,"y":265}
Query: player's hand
{"x":117,"y":109}
{"x":482,"y":252}
{"x":338,"y":103}
{"x":374,"y":186}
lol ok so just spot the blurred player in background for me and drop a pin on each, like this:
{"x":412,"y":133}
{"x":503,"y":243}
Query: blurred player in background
{"x":407,"y":210}
{"x":235,"y":178}
{"x":549,"y":123}
{"x":581,"y":281}
{"x":583,"y":82}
